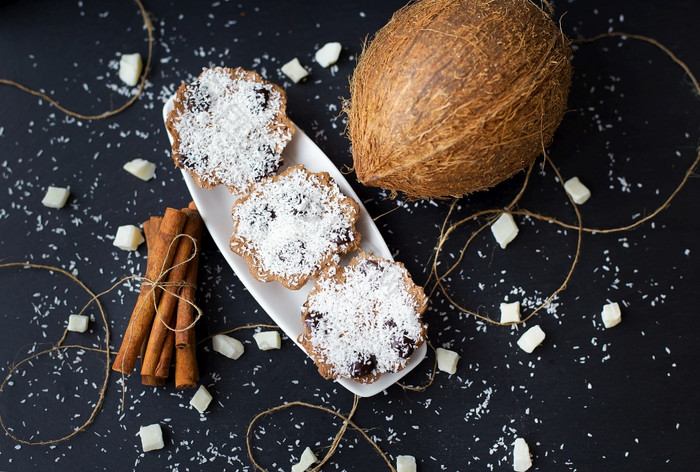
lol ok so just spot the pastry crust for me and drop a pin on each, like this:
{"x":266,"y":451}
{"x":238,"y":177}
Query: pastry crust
{"x":229,"y":127}
{"x":292,"y":225}
{"x":363,"y":320}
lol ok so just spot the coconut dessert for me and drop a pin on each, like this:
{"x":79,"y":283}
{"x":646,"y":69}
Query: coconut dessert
{"x":364,"y":319}
{"x":229,"y":127}
{"x":290,"y":226}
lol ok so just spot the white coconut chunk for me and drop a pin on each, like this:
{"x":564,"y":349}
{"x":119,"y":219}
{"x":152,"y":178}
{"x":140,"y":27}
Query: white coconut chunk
{"x":611,"y":315}
{"x":294,"y":70}
{"x":151,"y":437}
{"x":78,"y":323}
{"x":504,"y":229}
{"x":128,"y":237}
{"x":531,"y":338}
{"x":328,"y":54}
{"x":130,"y":66}
{"x":141,"y":168}
{"x":510,"y":312}
{"x":578,"y":192}
{"x":228,"y":346}
{"x":56,"y":197}
{"x":521,"y":456}
{"x":307,"y":458}
{"x":201,"y":399}
{"x":447,"y":360}
{"x":268,"y":340}
{"x":405,"y":464}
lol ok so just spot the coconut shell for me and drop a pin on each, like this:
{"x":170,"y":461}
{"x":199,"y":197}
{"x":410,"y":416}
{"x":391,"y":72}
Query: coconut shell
{"x":455,"y":96}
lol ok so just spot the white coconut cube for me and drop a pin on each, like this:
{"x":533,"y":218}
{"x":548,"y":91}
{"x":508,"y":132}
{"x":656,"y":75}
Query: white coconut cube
{"x":294,"y":70}
{"x":405,"y":464}
{"x":307,"y":458}
{"x":227,"y":346}
{"x":531,"y":338}
{"x":267,"y":340}
{"x":201,"y":399}
{"x":78,"y":323}
{"x":578,"y":192}
{"x":128,"y":237}
{"x":328,"y":54}
{"x":130,"y":66}
{"x":56,"y":197}
{"x":447,"y":360}
{"x":151,"y":437}
{"x":611,"y":315}
{"x":141,"y":168}
{"x":504,"y":229}
{"x":510,"y":312}
{"x":521,"y":456}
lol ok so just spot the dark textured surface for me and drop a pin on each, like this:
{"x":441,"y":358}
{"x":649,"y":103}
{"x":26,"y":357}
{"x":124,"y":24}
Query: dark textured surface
{"x":623,"y":399}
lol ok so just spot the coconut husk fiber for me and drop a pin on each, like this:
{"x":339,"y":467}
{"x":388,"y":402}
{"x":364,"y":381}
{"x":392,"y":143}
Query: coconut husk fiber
{"x":455,"y":96}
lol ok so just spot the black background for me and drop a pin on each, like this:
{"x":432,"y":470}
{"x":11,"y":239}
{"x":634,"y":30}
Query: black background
{"x":588,"y":399}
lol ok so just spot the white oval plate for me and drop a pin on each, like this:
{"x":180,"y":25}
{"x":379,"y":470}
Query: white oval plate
{"x":284,"y":306}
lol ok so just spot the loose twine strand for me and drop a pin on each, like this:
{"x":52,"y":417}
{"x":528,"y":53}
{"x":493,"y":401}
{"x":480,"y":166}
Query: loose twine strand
{"x":142,"y":83}
{"x":347,"y":421}
{"x":60,"y":346}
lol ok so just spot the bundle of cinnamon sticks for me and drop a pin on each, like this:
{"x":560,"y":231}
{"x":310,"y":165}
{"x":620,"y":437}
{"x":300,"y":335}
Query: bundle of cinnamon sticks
{"x":161,"y":324}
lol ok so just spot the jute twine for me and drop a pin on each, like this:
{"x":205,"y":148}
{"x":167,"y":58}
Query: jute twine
{"x":60,"y":346}
{"x":142,"y":83}
{"x":347,"y":421}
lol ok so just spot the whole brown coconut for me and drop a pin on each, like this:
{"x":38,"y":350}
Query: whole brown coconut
{"x":455,"y":96}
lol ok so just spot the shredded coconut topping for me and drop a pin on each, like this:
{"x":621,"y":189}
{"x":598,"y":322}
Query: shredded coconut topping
{"x":366,"y":321}
{"x":227,"y":133}
{"x":292,"y":225}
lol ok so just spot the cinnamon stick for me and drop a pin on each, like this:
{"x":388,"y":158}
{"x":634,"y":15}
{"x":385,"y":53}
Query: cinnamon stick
{"x":185,"y":307}
{"x":186,"y":370}
{"x":166,"y":357}
{"x":168,"y":301}
{"x":159,"y":259}
{"x":153,"y":381}
{"x":150,"y":230}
